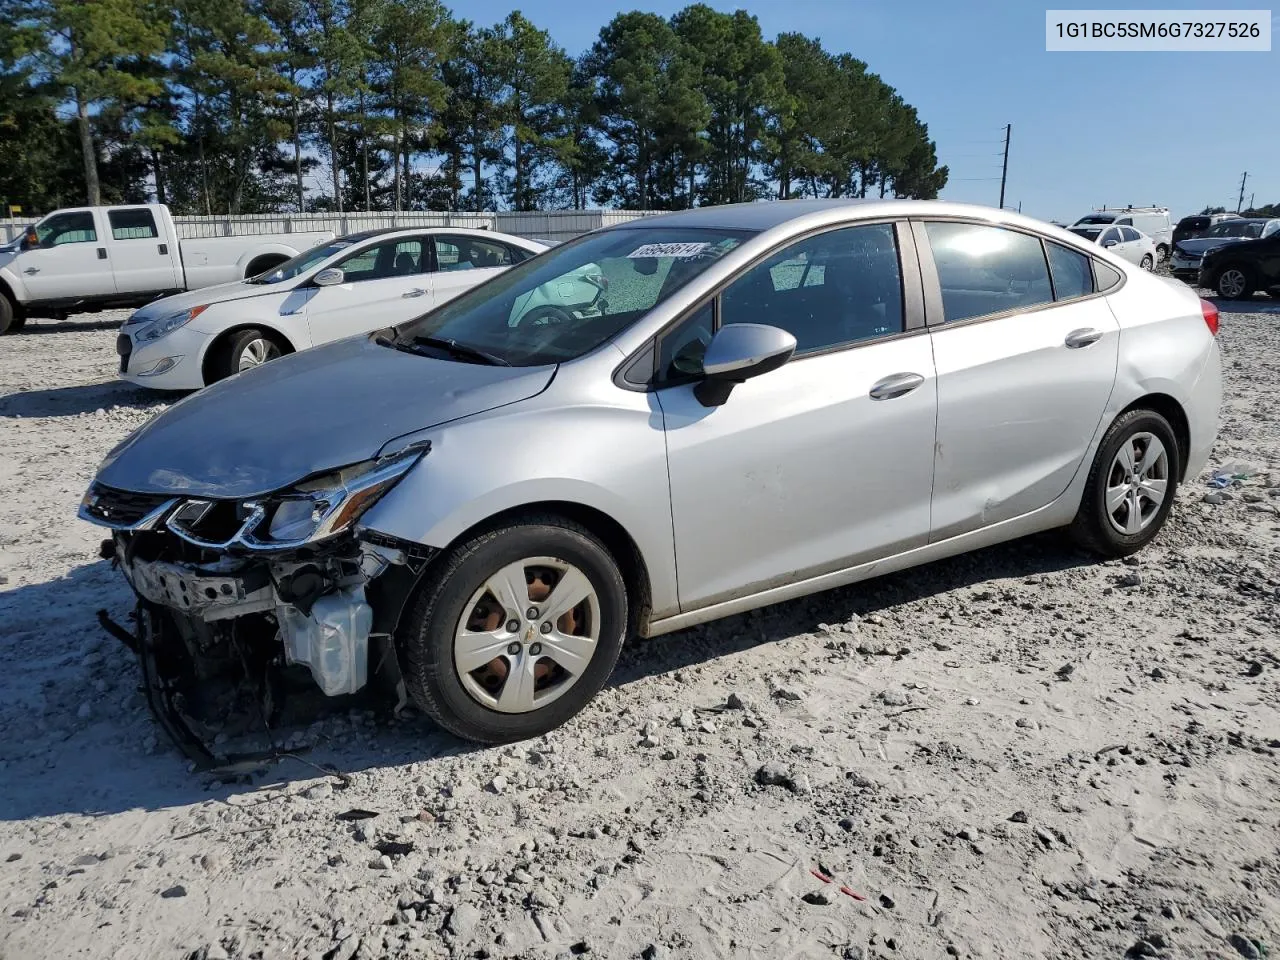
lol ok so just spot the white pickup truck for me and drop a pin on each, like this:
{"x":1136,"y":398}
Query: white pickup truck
{"x":92,"y":258}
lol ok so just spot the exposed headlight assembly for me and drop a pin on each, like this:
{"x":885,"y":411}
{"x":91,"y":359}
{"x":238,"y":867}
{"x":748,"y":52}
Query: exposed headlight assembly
{"x":167,"y":324}
{"x":315,"y":509}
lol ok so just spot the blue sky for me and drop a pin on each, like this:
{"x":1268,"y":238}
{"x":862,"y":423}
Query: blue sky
{"x":1089,"y":129}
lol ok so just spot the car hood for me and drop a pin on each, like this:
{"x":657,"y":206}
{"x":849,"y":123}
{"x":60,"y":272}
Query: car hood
{"x":1202,"y":245}
{"x":219,"y":293}
{"x":306,"y":413}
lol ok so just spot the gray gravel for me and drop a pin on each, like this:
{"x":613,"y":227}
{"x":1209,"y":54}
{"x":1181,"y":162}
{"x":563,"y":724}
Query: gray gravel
{"x":1019,"y":753}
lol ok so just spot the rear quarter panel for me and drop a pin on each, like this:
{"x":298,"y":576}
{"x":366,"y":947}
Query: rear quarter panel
{"x":210,"y":260}
{"x":1166,"y":348}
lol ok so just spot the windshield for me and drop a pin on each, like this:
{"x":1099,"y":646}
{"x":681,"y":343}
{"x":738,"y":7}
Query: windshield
{"x":302,"y":262}
{"x":567,"y":301}
{"x":1089,"y":233}
{"x":1100,"y":218}
{"x":1236,"y":228}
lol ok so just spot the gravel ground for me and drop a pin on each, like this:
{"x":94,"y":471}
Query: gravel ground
{"x":1019,"y":753}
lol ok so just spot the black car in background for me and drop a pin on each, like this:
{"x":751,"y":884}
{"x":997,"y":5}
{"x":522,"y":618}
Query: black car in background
{"x":1236,"y":271}
{"x":1188,"y":228}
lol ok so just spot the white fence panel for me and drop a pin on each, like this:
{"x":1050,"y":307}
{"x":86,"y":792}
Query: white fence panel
{"x":557,"y":225}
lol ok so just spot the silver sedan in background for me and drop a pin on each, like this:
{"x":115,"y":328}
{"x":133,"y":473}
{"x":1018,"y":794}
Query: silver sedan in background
{"x":774,"y":399}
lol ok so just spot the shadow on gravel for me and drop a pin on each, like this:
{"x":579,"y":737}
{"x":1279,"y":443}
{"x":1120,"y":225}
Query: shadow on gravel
{"x":1255,"y":305}
{"x":85,"y":398}
{"x":57,"y":762}
{"x":68,"y":326}
{"x":1044,"y":553}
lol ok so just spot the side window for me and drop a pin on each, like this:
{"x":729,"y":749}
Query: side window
{"x":1109,"y":236}
{"x":137,"y":224}
{"x":984,"y":270}
{"x":1072,"y":276}
{"x":1125,"y":222}
{"x":1129,"y":234}
{"x":67,"y":228}
{"x":391,"y":258}
{"x":833,"y":289}
{"x":1106,"y":276}
{"x":681,"y":349}
{"x":471,"y":253}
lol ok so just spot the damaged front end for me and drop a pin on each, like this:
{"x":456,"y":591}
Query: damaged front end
{"x":252,"y":612}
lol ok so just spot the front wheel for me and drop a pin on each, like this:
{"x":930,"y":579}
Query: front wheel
{"x":1131,"y":486}
{"x":515,"y":630}
{"x":9,"y":322}
{"x":1234,"y":283}
{"x":1148,"y":263}
{"x":244,"y":350}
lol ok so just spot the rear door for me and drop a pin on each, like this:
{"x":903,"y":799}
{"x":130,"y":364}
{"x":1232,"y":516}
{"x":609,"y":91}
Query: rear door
{"x":140,"y":256}
{"x":71,"y":261}
{"x":1026,"y":356}
{"x":463,"y":262}
{"x":385,"y":283}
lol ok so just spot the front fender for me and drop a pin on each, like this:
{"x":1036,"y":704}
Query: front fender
{"x":609,"y":458}
{"x":13,"y":281}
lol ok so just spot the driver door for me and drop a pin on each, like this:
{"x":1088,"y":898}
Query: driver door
{"x":71,"y":260}
{"x":824,"y":463}
{"x":384,"y":283}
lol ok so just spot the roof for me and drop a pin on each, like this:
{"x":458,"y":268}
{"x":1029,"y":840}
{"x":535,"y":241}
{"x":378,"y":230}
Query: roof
{"x":768,"y":214}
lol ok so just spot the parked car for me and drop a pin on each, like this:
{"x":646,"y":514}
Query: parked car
{"x":90,"y":258}
{"x":1188,"y":228}
{"x":780,"y":398}
{"x":1133,"y":245}
{"x":1237,"y":270}
{"x":347,"y":286}
{"x":1185,"y":263}
{"x":1153,"y":221}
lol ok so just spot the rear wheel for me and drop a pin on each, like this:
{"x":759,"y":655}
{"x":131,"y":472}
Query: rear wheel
{"x":515,"y":631}
{"x":1131,"y":485}
{"x":244,"y":350}
{"x":1147,"y":263}
{"x":1234,"y":283}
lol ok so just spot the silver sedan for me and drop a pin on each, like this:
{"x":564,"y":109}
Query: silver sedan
{"x":771,"y":400}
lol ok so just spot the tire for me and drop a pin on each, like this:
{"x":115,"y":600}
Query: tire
{"x":1162,"y":252}
{"x":1104,"y":531}
{"x":1234,"y":282}
{"x":1147,"y":263}
{"x":8,"y":319}
{"x":243,"y":350}
{"x":477,"y":704}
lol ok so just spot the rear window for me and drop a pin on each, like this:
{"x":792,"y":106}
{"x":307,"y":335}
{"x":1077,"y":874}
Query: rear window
{"x":1193,"y":223}
{"x":1097,"y":218}
{"x":136,"y":224}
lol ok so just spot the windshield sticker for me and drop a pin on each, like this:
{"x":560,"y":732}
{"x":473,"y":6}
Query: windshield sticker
{"x":667,"y":250}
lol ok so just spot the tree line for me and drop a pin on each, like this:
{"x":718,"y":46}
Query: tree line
{"x":286,"y":105}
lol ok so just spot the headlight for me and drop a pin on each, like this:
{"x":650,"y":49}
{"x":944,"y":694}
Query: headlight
{"x":313,"y":510}
{"x":166,"y":325}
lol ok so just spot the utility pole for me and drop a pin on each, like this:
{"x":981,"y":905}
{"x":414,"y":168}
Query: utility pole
{"x":1240,"y":202}
{"x":1251,"y":198}
{"x":1004,"y":173}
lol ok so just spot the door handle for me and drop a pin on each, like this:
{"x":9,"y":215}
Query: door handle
{"x":415,"y":292}
{"x":1083,"y":337}
{"x":102,"y":253}
{"x":164,"y":249}
{"x":895,"y":385}
{"x":31,"y":271}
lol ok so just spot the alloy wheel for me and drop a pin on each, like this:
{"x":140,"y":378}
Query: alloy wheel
{"x":1231,"y":282}
{"x":527,"y":635}
{"x":1137,"y":483}
{"x":257,"y":352}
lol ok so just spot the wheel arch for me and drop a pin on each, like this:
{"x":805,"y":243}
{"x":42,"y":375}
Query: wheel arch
{"x":1171,"y":410}
{"x":617,"y":540}
{"x":264,"y":262}
{"x":217,"y":343}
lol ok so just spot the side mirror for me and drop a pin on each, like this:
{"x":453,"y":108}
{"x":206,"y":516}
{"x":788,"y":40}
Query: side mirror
{"x":329,"y":277}
{"x":30,"y":240}
{"x":738,"y":352}
{"x":1109,"y":243}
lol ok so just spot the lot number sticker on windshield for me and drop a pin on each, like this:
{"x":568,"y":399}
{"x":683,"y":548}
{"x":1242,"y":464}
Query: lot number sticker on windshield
{"x":668,"y":250}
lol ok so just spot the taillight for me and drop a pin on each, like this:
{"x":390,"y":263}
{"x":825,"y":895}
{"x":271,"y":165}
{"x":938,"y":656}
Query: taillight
{"x":1210,"y":316}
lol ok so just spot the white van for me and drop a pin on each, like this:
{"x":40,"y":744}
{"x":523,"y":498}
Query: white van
{"x":1153,"y":221}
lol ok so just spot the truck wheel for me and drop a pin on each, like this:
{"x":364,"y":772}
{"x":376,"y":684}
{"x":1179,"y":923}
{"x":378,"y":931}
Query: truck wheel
{"x":243,"y":350}
{"x":9,"y":322}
